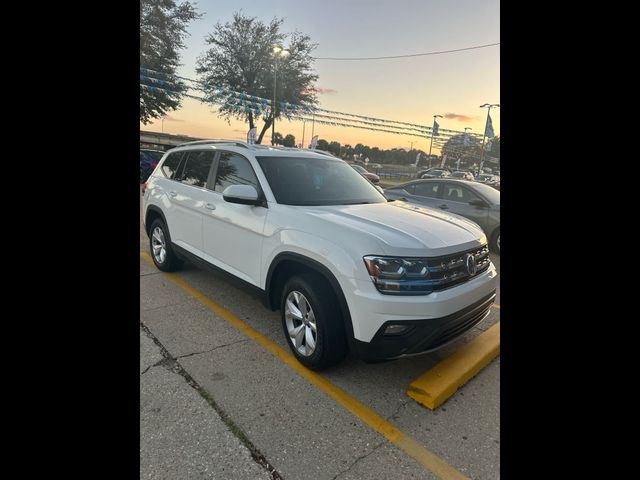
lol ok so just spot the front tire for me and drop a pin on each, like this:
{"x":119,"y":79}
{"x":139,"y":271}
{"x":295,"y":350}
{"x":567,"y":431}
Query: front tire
{"x":495,"y":242}
{"x":160,"y":246}
{"x":312,"y":322}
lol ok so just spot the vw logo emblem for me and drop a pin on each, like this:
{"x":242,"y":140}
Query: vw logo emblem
{"x":470,"y":261}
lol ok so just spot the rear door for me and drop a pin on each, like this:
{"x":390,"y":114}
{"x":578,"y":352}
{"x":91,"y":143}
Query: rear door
{"x":233,"y":233}
{"x":188,"y":197}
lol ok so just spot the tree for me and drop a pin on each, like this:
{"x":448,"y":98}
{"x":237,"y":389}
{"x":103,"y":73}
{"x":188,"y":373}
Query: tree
{"x":240,"y":58}
{"x":289,"y":141}
{"x":494,"y":151}
{"x":334,"y":147}
{"x":322,"y":145}
{"x":163,"y":27}
{"x":463,"y":147}
{"x":277,"y":139}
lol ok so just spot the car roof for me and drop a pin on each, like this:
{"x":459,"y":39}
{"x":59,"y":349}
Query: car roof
{"x":256,"y":149}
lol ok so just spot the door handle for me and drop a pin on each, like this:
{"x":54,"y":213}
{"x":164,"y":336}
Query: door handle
{"x":172,"y":194}
{"x":210,"y":206}
{"x":444,"y":206}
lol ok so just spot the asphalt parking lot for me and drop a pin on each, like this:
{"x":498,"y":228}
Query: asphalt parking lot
{"x":215,"y":403}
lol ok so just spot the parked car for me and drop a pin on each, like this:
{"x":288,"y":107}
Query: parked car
{"x":422,"y":172}
{"x":473,"y":200}
{"x":366,"y":174}
{"x":488,"y":179}
{"x":436,"y":173}
{"x":148,"y":161}
{"x":347,"y":269}
{"x":463,"y":175}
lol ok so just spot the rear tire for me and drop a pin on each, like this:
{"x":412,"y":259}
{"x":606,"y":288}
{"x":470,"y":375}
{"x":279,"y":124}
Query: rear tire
{"x":312,"y":322}
{"x":160,"y":247}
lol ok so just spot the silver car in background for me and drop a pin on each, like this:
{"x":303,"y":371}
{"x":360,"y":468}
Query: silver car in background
{"x":475,"y":201}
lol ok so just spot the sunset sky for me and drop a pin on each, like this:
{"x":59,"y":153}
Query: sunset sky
{"x":409,"y":89}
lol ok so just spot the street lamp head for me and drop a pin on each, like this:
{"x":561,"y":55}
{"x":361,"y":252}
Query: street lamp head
{"x":440,"y":116}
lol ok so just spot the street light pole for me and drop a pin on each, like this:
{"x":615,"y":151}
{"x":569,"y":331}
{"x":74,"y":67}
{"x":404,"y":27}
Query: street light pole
{"x":277,"y":52}
{"x":273,"y":105}
{"x":431,"y":143}
{"x":304,"y":124}
{"x":484,"y":135}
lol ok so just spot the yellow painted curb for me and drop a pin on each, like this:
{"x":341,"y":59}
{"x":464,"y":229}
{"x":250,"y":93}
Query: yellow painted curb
{"x":435,"y":386}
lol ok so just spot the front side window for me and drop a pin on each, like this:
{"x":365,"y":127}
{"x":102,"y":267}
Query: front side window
{"x":427,"y":189}
{"x":234,"y":169}
{"x":317,"y":181}
{"x":170,"y":165}
{"x":457,"y":193}
{"x":196,"y":169}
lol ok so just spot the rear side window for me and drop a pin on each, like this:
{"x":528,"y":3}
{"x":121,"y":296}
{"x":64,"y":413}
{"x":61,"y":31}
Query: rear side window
{"x":196,"y":169}
{"x":234,"y":169}
{"x":170,"y":165}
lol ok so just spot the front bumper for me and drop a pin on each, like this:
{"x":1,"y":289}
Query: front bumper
{"x":424,"y":335}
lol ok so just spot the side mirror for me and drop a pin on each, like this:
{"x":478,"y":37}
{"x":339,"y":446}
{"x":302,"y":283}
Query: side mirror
{"x":476,"y":202}
{"x":243,"y":194}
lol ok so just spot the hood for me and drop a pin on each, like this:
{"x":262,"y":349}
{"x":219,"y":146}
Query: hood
{"x":404,"y":229}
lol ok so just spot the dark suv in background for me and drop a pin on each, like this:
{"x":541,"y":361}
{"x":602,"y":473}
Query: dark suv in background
{"x":148,"y":161}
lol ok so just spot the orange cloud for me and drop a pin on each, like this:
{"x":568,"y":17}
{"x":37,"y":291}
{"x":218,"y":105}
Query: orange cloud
{"x":459,"y":117}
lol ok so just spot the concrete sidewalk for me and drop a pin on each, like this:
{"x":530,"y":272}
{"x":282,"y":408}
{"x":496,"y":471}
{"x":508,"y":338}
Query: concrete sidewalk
{"x":181,"y":435}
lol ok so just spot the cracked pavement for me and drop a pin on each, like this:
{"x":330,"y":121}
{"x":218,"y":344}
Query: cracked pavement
{"x":299,"y":431}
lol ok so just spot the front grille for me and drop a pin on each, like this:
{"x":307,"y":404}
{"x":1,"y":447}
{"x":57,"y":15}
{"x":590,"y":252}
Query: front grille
{"x":451,"y":270}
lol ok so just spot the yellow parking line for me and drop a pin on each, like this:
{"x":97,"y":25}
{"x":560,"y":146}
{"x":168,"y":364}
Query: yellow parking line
{"x":435,"y":386}
{"x":406,"y":443}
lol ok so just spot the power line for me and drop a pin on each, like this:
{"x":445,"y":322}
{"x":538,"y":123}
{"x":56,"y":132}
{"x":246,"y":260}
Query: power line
{"x":410,"y":55}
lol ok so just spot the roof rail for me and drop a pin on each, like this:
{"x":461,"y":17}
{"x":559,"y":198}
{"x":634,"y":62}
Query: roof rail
{"x":216,"y":141}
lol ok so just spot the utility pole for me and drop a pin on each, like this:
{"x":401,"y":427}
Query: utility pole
{"x":489,"y":107}
{"x":277,"y":52}
{"x":431,"y":143}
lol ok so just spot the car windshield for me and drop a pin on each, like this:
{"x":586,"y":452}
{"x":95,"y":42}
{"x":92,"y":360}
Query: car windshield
{"x":359,"y":169}
{"x":157,"y":156}
{"x":488,"y":192}
{"x":317,"y":181}
{"x":458,"y":174}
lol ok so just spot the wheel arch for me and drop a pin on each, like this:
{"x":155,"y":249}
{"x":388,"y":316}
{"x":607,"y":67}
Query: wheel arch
{"x":286,"y":264}
{"x":151,"y":214}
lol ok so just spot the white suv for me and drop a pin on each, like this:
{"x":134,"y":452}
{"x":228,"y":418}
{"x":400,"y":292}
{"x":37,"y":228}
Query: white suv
{"x":348,"y":269}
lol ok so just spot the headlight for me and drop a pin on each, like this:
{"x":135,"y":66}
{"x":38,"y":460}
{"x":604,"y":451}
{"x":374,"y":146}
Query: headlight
{"x":399,"y":276}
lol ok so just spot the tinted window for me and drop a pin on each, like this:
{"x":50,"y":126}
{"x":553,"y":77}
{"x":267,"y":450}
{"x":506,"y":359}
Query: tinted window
{"x":170,"y":165}
{"x":427,"y":189}
{"x":317,"y":181}
{"x":457,"y":193}
{"x":234,"y":169}
{"x":196,"y":169}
